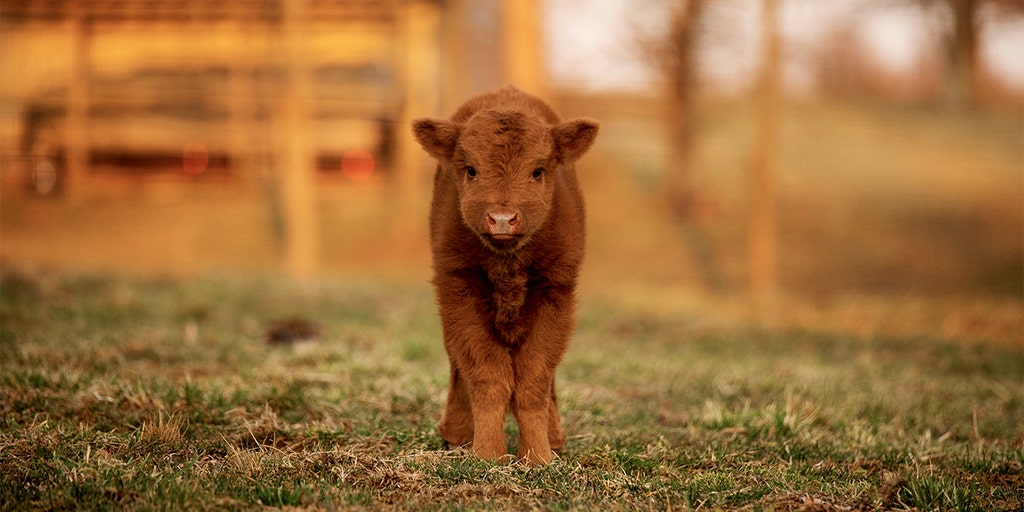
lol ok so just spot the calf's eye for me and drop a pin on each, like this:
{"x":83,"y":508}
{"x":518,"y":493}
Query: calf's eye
{"x":538,"y":172}
{"x":470,"y":171}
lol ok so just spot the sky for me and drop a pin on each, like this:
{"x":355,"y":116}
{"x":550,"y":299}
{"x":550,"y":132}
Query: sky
{"x":594,"y":44}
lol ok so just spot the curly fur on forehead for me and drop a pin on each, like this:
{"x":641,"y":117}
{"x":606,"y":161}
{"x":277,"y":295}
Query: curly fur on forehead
{"x":505,"y":135}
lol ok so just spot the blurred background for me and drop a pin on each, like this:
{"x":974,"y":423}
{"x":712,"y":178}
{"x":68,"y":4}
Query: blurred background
{"x":853,"y":165}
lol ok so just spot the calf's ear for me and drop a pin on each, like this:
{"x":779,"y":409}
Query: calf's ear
{"x":573,"y":138}
{"x":437,"y":137}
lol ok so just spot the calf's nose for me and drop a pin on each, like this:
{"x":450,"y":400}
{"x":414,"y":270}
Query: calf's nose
{"x":502,"y":222}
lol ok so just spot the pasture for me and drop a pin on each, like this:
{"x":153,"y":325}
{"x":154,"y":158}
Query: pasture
{"x":136,"y":371}
{"x":149,"y":393}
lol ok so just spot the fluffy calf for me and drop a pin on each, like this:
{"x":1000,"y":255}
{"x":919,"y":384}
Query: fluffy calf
{"x":507,"y":236}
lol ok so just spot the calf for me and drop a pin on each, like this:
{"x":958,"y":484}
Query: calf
{"x":507,"y":237}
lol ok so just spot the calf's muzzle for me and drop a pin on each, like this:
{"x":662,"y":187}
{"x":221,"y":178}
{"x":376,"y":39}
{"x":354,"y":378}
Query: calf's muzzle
{"x":502,"y":222}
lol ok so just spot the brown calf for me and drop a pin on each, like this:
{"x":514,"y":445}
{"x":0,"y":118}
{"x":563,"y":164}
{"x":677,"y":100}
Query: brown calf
{"x":507,"y":236}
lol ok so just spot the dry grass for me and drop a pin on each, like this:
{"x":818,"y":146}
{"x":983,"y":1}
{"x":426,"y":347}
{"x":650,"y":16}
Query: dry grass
{"x":110,"y":400}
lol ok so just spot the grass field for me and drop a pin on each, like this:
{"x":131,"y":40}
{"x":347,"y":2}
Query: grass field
{"x":147,"y":393}
{"x":889,"y":376}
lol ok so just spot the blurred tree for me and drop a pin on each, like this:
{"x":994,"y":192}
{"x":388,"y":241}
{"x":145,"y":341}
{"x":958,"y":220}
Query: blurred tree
{"x":961,"y":88}
{"x":963,"y":61}
{"x":674,"y":52}
{"x":676,"y":55}
{"x":961,"y":41}
{"x":678,"y":58}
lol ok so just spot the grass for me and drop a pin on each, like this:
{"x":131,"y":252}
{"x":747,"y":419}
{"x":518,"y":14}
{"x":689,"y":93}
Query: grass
{"x":890,"y":376}
{"x":145,"y":393}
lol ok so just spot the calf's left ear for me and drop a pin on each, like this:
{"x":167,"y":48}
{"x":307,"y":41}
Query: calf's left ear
{"x":573,"y":138}
{"x":437,"y":137}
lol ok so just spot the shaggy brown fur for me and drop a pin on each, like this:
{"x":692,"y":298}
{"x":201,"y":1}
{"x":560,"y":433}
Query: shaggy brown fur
{"x":507,"y":236}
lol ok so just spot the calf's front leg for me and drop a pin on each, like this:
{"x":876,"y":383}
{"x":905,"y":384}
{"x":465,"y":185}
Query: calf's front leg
{"x":457,"y":424}
{"x":534,"y":401}
{"x":531,"y":405}
{"x":533,"y":398}
{"x":490,"y":391}
{"x":481,"y":385}
{"x":482,"y":379}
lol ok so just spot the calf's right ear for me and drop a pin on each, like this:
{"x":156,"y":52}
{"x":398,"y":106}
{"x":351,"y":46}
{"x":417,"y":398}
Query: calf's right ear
{"x":437,"y":137}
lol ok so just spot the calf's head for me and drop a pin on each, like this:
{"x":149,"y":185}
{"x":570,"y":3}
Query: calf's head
{"x":505,"y":166}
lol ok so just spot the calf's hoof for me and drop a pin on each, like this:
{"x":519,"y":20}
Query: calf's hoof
{"x":490,"y":452}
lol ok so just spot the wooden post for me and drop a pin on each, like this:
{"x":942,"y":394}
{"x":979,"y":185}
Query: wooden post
{"x":761,"y":223}
{"x":76,"y":135}
{"x":522,"y":45}
{"x":419,"y":67}
{"x":245,"y":145}
{"x":298,"y":195}
{"x":456,"y":38}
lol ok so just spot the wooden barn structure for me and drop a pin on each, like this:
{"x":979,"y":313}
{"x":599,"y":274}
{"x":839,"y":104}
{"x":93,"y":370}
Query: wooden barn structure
{"x":239,"y":90}
{"x":233,"y":69}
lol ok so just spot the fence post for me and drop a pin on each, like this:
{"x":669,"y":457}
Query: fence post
{"x":299,"y":197}
{"x":76,"y":135}
{"x":761,"y":251}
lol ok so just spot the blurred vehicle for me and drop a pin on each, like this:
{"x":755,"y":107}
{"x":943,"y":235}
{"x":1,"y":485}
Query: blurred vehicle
{"x":212,"y":121}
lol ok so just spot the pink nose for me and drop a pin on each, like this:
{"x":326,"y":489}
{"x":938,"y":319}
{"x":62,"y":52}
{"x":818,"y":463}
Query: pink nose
{"x":502,"y":222}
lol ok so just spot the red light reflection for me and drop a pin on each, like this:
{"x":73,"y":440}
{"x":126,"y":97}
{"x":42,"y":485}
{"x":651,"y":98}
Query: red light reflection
{"x":195,"y":158}
{"x":357,"y":164}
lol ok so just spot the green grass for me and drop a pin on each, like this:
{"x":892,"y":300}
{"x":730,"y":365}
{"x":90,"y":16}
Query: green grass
{"x":136,"y":394}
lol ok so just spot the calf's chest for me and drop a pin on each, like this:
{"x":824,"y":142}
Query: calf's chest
{"x":510,"y":291}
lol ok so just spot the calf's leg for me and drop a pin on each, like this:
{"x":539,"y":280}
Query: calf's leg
{"x":533,"y":399}
{"x":555,"y":436}
{"x":490,"y":391}
{"x":531,"y":407}
{"x":535,"y":361}
{"x":481,"y":370}
{"x":457,"y":424}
